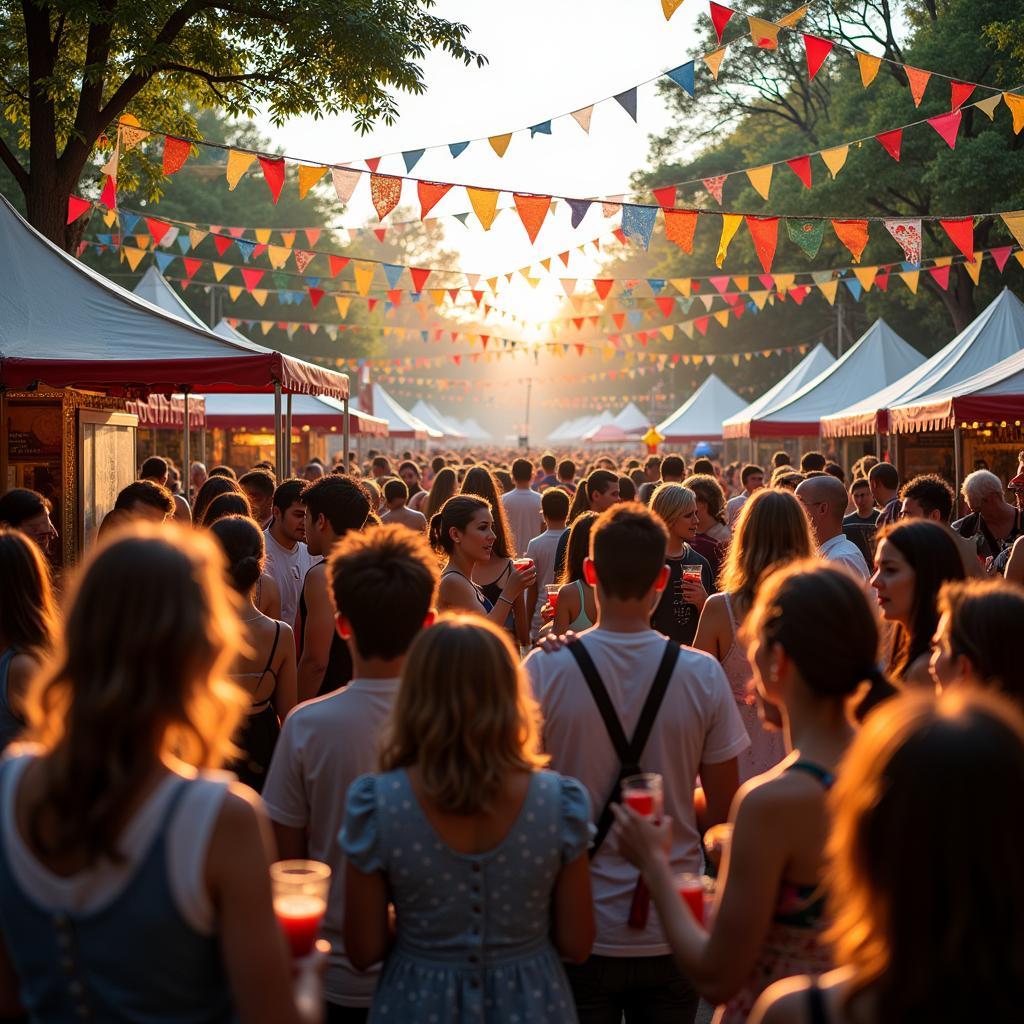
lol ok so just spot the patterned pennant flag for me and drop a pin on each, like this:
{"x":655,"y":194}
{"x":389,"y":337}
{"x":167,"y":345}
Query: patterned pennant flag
{"x":385,"y":192}
{"x":638,"y":223}
{"x":908,"y":234}
{"x":176,"y":152}
{"x":806,"y":234}
{"x":680,"y":226}
{"x":714,"y":187}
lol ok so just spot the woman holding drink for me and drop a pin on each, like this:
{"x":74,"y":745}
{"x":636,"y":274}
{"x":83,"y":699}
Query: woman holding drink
{"x":575,"y":607}
{"x":134,"y":882}
{"x":813,"y":640}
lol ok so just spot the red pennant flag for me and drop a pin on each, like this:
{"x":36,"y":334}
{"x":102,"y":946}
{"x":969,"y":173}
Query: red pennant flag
{"x":603,"y":287}
{"x":273,"y":172}
{"x":158,"y":228}
{"x":765,"y":233}
{"x":960,"y":93}
{"x":666,"y":304}
{"x":108,"y":197}
{"x":176,"y":152}
{"x":961,"y":232}
{"x":817,"y":51}
{"x":337,"y":264}
{"x":798,"y":294}
{"x":373,"y":163}
{"x":380,"y":233}
{"x":1001,"y":255}
{"x":702,"y":324}
{"x":801,"y":167}
{"x":371,"y":304}
{"x":891,"y":142}
{"x":315,"y":295}
{"x":948,"y":126}
{"x":564,"y":257}
{"x":532,"y":210}
{"x":882,"y":279}
{"x":720,"y":283}
{"x":191,"y":266}
{"x":720,"y":18}
{"x":430,"y":194}
{"x":619,"y":319}
{"x":941,"y":275}
{"x":76,"y":207}
{"x":453,"y":294}
{"x":394,"y":296}
{"x":222,"y":244}
{"x":259,"y":249}
{"x":618,"y":233}
{"x":419,"y":278}
{"x":251,"y":277}
{"x":666,"y":197}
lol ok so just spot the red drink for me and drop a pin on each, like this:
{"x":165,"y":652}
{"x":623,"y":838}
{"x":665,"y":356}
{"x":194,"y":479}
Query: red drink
{"x":299,"y":916}
{"x":691,"y":890}
{"x":553,"y":601}
{"x":522,"y":564}
{"x":641,"y":802}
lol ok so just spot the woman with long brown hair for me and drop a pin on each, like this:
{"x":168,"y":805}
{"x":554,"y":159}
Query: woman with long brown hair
{"x":28,"y":625}
{"x":444,"y":486}
{"x":134,"y":884}
{"x":481,"y":852}
{"x":771,"y":531}
{"x":576,"y":608}
{"x":926,"y":924}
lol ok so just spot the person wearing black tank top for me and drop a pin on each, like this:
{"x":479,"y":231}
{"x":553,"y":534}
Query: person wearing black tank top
{"x":812,"y":640}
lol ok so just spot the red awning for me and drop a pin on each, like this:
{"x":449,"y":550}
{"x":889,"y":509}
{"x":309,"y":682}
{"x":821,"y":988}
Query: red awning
{"x":161,"y":413}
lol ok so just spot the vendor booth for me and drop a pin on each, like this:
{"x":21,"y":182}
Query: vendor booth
{"x":701,"y":416}
{"x":162,"y":424}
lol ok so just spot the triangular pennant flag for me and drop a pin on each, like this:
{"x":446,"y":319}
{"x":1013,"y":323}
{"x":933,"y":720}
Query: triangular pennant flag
{"x":835,"y":158}
{"x":807,"y":234}
{"x":714,"y":61}
{"x":220,"y":269}
{"x":866,"y":276}
{"x":714,"y":187}
{"x":312,"y":234}
{"x":342,"y":302}
{"x":638,"y":223}
{"x":761,"y":179}
{"x":532,"y":211}
{"x":273,"y":172}
{"x":801,"y":167}
{"x":133,"y":255}
{"x":680,"y":226}
{"x":918,"y":81}
{"x":1000,"y":256}
{"x":855,"y":287}
{"x":411,"y":157}
{"x":303,"y":258}
{"x":669,"y":7}
{"x":164,"y":260}
{"x":485,"y":203}
{"x":76,"y":207}
{"x":278,"y":255}
{"x":373,"y":163}
{"x":544,"y":128}
{"x":765,"y":34}
{"x":457,"y":148}
{"x":251,"y":277}
{"x":579,"y":209}
{"x":430,"y":194}
{"x":603,"y":286}
{"x":908,"y":234}
{"x":263,"y":235}
{"x":363,"y":274}
{"x":191,"y":266}
{"x":941,"y":276}
{"x":960,"y":93}
{"x":973,"y":268}
{"x":684,"y":77}
{"x":176,"y":152}
{"x":730,"y":224}
{"x":157,"y":228}
{"x":582,"y":117}
{"x":853,"y":234}
{"x":309,"y":175}
{"x":961,"y":233}
{"x":1016,"y":105}
{"x":130,"y":131}
{"x":627,"y":100}
{"x":385,"y":192}
{"x":720,"y":18}
{"x":988,"y":107}
{"x":817,"y":51}
{"x":315,"y":295}
{"x":238,"y":163}
{"x":948,"y":125}
{"x":665,"y":197}
{"x":828,"y":289}
{"x":910,"y":279}
{"x":419,"y":278}
{"x":1014,"y":224}
{"x":337,"y":263}
{"x":764,"y":231}
{"x":345,"y":180}
{"x":393,"y":272}
{"x":891,"y":142}
{"x":869,"y":66}
{"x":108,"y":197}
{"x":499,"y":143}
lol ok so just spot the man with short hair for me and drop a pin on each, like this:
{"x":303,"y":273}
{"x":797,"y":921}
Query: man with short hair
{"x":885,"y":490}
{"x":811,"y":462}
{"x":601,"y":490}
{"x":752,"y":479}
{"x":694,"y":729}
{"x":781,"y":458}
{"x":554,"y":507}
{"x":197,"y":476}
{"x":548,"y":474}
{"x":395,"y":496}
{"x":312,"y":472}
{"x":522,"y":506}
{"x":567,"y":475}
{"x":993,"y":524}
{"x":859,"y":526}
{"x":652,"y":478}
{"x":335,"y":506}
{"x":287,"y":557}
{"x":224,"y":471}
{"x":824,"y":500}
{"x":929,"y":497}
{"x":158,"y":470}
{"x":673,"y":469}
{"x":382,"y":586}
{"x":380,"y":468}
{"x":258,"y":487}
{"x":145,"y":500}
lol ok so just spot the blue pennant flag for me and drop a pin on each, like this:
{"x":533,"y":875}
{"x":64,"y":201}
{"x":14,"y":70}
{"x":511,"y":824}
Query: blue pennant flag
{"x":415,"y":296}
{"x":638,"y":223}
{"x":425,"y":335}
{"x":683,"y":77}
{"x":856,"y":289}
{"x":312,"y":282}
{"x":544,"y":128}
{"x":163,"y":260}
{"x":392,"y":272}
{"x":184,"y":244}
{"x":245,"y":247}
{"x":411,"y":158}
{"x":656,"y":284}
{"x":128,"y":222}
{"x":579,"y":209}
{"x":455,"y":148}
{"x":105,"y":239}
{"x":635,"y":317}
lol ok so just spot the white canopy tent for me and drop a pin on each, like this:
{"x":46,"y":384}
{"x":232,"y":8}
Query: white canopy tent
{"x":433,"y":418}
{"x":701,"y":416}
{"x":632,"y":420}
{"x":473,"y":430}
{"x":401,"y":423}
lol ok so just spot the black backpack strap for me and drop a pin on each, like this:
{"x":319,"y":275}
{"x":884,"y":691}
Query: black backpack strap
{"x":628,"y":752}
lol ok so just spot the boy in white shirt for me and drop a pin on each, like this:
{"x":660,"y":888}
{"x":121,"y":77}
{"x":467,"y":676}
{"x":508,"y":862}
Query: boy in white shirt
{"x":554,"y":507}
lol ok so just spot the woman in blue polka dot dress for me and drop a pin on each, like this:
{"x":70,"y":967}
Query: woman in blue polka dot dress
{"x":482,"y":853}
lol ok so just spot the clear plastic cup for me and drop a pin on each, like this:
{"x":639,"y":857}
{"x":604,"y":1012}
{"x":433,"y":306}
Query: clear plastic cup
{"x":300,"y":890}
{"x":644,"y":794}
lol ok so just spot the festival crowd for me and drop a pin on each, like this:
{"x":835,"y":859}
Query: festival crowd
{"x":579,"y":739}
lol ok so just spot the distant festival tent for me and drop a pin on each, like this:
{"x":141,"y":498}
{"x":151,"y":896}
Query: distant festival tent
{"x":701,"y":416}
{"x":608,"y":433}
{"x":474,"y":431}
{"x":433,"y":418}
{"x":632,"y":420}
{"x":401,"y":423}
{"x":994,"y":335}
{"x":812,"y":364}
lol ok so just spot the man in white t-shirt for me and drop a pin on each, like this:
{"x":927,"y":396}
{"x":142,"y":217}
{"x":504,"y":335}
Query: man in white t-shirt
{"x":288,"y":560}
{"x":697,"y":730}
{"x":382,"y":586}
{"x":522,"y":506}
{"x":824,"y":500}
{"x":752,"y":478}
{"x":554,"y":506}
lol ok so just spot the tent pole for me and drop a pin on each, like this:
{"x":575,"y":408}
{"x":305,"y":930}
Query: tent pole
{"x":288,"y":436}
{"x":278,"y":449}
{"x":186,"y":446}
{"x":878,"y":445}
{"x":345,"y":432}
{"x":958,"y":468}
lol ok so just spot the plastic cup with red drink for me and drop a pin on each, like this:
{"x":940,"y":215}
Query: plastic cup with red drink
{"x":300,"y":890}
{"x":552,"y":592}
{"x":691,"y":891}
{"x":643,"y":793}
{"x":522,"y":564}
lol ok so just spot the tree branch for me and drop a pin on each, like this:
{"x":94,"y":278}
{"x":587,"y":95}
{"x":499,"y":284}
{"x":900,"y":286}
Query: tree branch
{"x":13,"y":165}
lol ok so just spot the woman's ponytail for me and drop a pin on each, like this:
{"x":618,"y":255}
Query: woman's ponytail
{"x":880,"y":688}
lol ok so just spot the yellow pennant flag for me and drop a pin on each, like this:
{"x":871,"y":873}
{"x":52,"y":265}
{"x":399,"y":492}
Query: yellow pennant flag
{"x":669,"y":7}
{"x":761,"y":179}
{"x":278,"y":255}
{"x":835,"y":158}
{"x":1015,"y":224}
{"x":343,"y":302}
{"x":988,"y":107}
{"x":1016,"y":105}
{"x":910,"y":279}
{"x":234,"y":290}
{"x":722,"y":316}
{"x":262,"y":235}
{"x":730,"y":225}
{"x":942,"y":261}
{"x":764,"y":33}
{"x":364,"y":276}
{"x":683,"y":285}
{"x":485,"y":203}
{"x":238,"y":164}
{"x":783,"y":282}
{"x":794,"y":18}
{"x":974,"y":268}
{"x":869,"y":66}
{"x":266,"y":326}
{"x":760,"y":297}
{"x":1019,"y":257}
{"x":668,"y":331}
{"x":260,"y":295}
{"x":499,"y":143}
{"x":437,"y":296}
{"x":714,"y":61}
{"x":866,"y":276}
{"x":109,"y":217}
{"x":196,"y":235}
{"x":133,"y":255}
{"x":220,"y":269}
{"x":309,"y":175}
{"x":688,"y":331}
{"x":828,"y":289}
{"x":741,"y":281}
{"x":143,"y":241}
{"x":288,"y":239}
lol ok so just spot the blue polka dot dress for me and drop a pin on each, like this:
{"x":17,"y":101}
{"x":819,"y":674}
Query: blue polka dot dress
{"x":472,"y":929}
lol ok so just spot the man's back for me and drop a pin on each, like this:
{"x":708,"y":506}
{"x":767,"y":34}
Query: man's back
{"x":697,"y":724}
{"x":542,"y":550}
{"x":522,"y":507}
{"x":406,"y":517}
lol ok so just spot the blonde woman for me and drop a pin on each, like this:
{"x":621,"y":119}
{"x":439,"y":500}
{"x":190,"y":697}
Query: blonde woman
{"x":482,"y":853}
{"x":690,"y":576}
{"x":134,"y":883}
{"x":772,"y":530}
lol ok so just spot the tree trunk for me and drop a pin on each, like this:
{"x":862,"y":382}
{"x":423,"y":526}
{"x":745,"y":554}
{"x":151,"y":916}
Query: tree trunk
{"x":46,"y":206}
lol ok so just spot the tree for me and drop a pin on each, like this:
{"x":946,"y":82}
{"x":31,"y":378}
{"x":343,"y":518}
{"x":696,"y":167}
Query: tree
{"x":69,"y":69}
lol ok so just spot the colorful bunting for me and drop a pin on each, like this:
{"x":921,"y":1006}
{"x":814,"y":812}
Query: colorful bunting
{"x":309,"y":175}
{"x":853,"y":234}
{"x":76,"y":207}
{"x":948,"y":125}
{"x":679,"y":228}
{"x":761,"y":179}
{"x":345,"y":180}
{"x":764,"y":231}
{"x":918,"y":81}
{"x":714,"y":61}
{"x":720,"y":18}
{"x":908,"y":234}
{"x":430,"y":193}
{"x":807,"y":235}
{"x":532,"y":211}
{"x":665,"y":197}
{"x":765,"y":34}
{"x":988,"y":107}
{"x":411,"y":157}
{"x":960,"y":93}
{"x":683,"y":76}
{"x":582,"y":117}
{"x":961,"y":233}
{"x":385,"y":192}
{"x":108,"y":197}
{"x":714,"y":187}
{"x":941,"y":276}
{"x":835,"y":158}
{"x":544,"y":128}
{"x":499,"y":143}
{"x":273,"y":173}
{"x":638,"y":223}
{"x":817,"y":50}
{"x":1014,"y":224}
{"x":1016,"y":105}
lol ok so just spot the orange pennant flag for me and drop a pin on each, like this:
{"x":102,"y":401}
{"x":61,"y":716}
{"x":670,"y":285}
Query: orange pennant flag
{"x":869,"y":66}
{"x":1016,"y":105}
{"x":714,"y":61}
{"x":532,"y":211}
{"x":761,"y":179}
{"x":765,"y":234}
{"x":309,"y":175}
{"x":680,"y":226}
{"x":499,"y":143}
{"x":764,"y":33}
{"x":918,"y":82}
{"x":385,"y":192}
{"x":853,"y":234}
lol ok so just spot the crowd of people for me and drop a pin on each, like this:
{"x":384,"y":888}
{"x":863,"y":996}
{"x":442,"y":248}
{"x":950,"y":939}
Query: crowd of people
{"x":442,"y":678}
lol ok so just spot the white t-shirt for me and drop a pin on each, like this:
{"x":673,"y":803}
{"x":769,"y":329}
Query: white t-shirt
{"x":542,"y":550}
{"x":843,"y":551}
{"x":734,"y":506}
{"x":325,"y":745}
{"x":288,"y":568}
{"x":696,"y":724}
{"x":522,"y":507}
